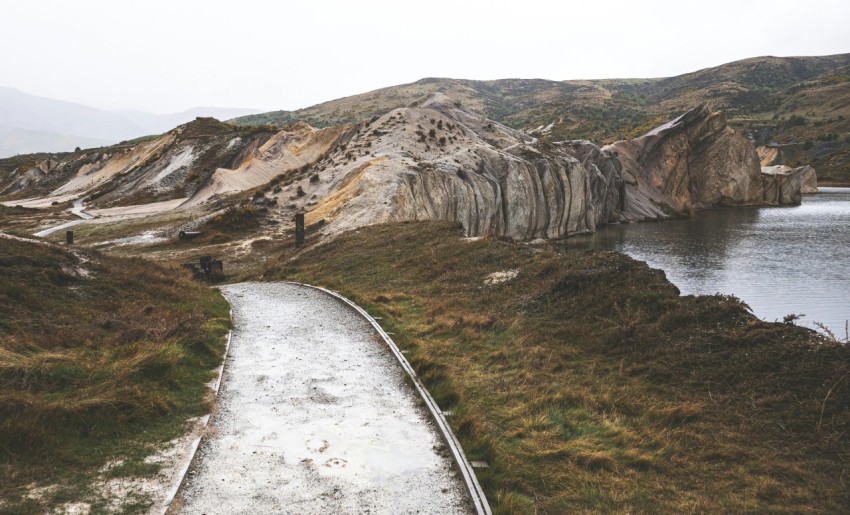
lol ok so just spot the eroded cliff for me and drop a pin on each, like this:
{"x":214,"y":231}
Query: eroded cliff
{"x":435,"y":160}
{"x":432,"y":160}
{"x":694,"y":162}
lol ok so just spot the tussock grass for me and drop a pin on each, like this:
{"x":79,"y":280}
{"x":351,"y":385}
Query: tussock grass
{"x":100,"y":359}
{"x":588,"y":384}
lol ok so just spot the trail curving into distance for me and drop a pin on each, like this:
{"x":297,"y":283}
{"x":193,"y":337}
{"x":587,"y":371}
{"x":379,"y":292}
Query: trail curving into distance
{"x":314,"y":416}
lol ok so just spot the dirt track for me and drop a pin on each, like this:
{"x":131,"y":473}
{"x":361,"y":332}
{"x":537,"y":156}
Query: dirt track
{"x":314,"y":416}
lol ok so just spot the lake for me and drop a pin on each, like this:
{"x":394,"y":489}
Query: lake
{"x":779,"y":260}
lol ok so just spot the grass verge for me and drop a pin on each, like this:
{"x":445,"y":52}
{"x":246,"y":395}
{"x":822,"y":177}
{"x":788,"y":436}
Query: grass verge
{"x":101,"y":360}
{"x":588,"y":384}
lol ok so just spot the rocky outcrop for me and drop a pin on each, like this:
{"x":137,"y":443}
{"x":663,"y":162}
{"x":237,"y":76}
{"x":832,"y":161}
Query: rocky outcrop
{"x":693,"y":162}
{"x":25,"y":180}
{"x":808,"y":179}
{"x":173,"y":165}
{"x":294,"y":149}
{"x":435,"y":160}
{"x":784,"y":185}
{"x":773,"y":164}
{"x":608,"y":188}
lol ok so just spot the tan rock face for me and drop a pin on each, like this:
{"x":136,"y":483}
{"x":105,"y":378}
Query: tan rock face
{"x":174,"y":165}
{"x":809,"y":179}
{"x":781,"y":185}
{"x":695,"y":161}
{"x":285,"y":151}
{"x":770,"y":156}
{"x":785,"y":185}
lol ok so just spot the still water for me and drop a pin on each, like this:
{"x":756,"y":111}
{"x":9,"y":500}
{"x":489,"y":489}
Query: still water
{"x":778,"y":260}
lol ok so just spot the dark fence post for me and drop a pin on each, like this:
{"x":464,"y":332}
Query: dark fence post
{"x":299,"y":229}
{"x":69,"y":237}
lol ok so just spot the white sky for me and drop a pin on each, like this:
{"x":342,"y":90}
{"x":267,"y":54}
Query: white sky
{"x":167,"y":56}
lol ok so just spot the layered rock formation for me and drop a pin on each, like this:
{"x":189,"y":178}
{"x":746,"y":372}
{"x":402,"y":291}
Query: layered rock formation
{"x":432,"y":160}
{"x":294,"y":149}
{"x":436,"y":160}
{"x":782,"y":186}
{"x":609,"y":189}
{"x":773,"y":164}
{"x":809,"y":179}
{"x":693,"y":162}
{"x":174,"y":165}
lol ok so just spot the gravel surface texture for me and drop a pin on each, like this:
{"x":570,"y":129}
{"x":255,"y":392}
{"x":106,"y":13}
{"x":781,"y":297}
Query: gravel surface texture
{"x":315,"y":416}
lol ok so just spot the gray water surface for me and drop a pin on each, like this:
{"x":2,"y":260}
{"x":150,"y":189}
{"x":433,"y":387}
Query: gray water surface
{"x":778,"y":260}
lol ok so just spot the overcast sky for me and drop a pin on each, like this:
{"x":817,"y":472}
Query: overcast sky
{"x":167,"y":56}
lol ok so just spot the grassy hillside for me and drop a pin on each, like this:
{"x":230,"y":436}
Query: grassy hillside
{"x":803,"y":102}
{"x":101,"y":359}
{"x":588,"y":384}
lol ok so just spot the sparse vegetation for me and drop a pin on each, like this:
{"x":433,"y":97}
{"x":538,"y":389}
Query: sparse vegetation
{"x":796,"y":121}
{"x":589,"y":385}
{"x":585,"y":382}
{"x":101,"y":359}
{"x":237,"y":218}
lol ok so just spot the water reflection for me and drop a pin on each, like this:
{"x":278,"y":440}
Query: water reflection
{"x":778,"y":260}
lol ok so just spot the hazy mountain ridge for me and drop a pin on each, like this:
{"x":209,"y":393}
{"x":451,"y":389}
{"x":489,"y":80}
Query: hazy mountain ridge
{"x":799,"y":103}
{"x":31,"y":112}
{"x":30,"y":123}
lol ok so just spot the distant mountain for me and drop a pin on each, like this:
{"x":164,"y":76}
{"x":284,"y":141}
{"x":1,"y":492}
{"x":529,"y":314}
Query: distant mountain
{"x":30,"y":123}
{"x":24,"y":111}
{"x":801,"y":104}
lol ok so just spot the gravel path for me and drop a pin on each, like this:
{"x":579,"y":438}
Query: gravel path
{"x":314,"y":416}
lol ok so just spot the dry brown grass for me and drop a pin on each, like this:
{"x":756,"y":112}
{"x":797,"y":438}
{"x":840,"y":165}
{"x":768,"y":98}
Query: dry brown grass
{"x":589,"y":384}
{"x":100,"y":359}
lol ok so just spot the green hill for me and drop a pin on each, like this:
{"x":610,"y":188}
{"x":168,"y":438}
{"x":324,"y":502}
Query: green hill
{"x":800,"y":103}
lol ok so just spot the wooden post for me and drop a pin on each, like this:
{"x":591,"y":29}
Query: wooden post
{"x":69,"y":237}
{"x":299,"y":229}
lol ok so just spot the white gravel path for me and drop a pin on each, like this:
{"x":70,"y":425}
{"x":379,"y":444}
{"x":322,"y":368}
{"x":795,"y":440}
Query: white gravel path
{"x":314,"y":416}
